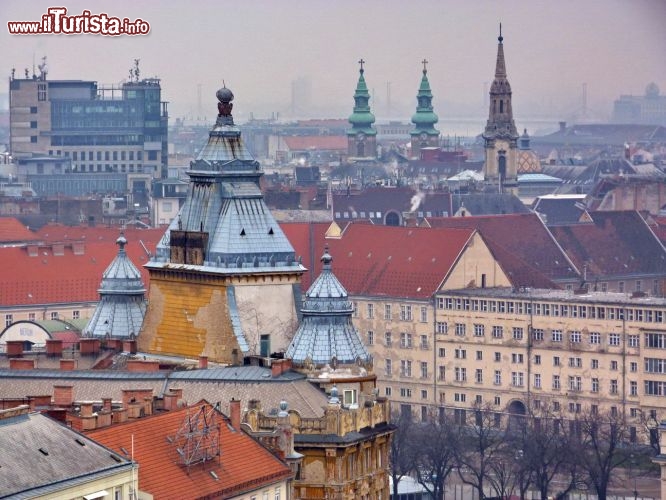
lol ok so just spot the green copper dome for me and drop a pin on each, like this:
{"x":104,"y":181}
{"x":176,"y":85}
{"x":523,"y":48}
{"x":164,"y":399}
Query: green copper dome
{"x":361,"y":119}
{"x":425,"y":118}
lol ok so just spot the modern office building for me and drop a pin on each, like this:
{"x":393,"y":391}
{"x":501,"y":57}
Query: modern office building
{"x":78,"y":133}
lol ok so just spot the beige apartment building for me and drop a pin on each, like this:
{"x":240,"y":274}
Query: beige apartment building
{"x":516,"y":349}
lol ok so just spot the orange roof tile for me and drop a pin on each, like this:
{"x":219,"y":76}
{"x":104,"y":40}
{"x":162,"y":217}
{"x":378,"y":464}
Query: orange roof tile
{"x":45,"y":278}
{"x":12,"y":231}
{"x":244,"y":464}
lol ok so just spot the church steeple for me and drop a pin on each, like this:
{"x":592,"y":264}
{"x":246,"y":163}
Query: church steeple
{"x":500,"y":135}
{"x":361,"y":137}
{"x":424,"y":133}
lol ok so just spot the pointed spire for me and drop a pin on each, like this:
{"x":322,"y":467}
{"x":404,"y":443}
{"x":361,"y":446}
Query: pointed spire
{"x":362,"y":118}
{"x":500,"y":66}
{"x":425,"y":118}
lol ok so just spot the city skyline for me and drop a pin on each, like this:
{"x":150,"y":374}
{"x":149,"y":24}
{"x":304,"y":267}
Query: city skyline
{"x":555,"y":51}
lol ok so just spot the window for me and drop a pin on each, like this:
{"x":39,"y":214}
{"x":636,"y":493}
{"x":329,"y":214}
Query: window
{"x":277,"y":493}
{"x":614,"y":339}
{"x":54,"y":315}
{"x":388,"y":391}
{"x":613,"y":386}
{"x":595,"y":385}
{"x":405,"y":392}
{"x":498,"y":332}
{"x":655,"y":340}
{"x":479,"y":330}
{"x":31,"y":316}
{"x":537,"y":334}
{"x":575,"y":337}
{"x":424,"y":394}
{"x":441,"y":372}
{"x":633,"y":367}
{"x":371,"y":311}
{"x":479,"y":355}
{"x":478,"y":399}
{"x":9,"y":319}
{"x":424,"y":342}
{"x":516,"y":357}
{"x":575,"y":383}
{"x":33,"y":139}
{"x":441,"y":352}
{"x":498,"y":378}
{"x":595,"y":338}
{"x":371,"y":338}
{"x":459,"y":397}
{"x":478,"y":376}
{"x":556,"y":335}
{"x":387,"y":339}
{"x":537,"y":359}
{"x":41,"y":92}
{"x":424,"y":314}
{"x":440,"y":302}
{"x":460,"y":374}
{"x":441,"y":327}
{"x":460,"y":329}
{"x":594,"y":364}
{"x":33,"y":109}
{"x":517,"y":333}
{"x":556,"y":382}
{"x":498,"y":356}
{"x":537,"y":381}
{"x":575,"y":362}
{"x":655,"y":388}
{"x":424,"y":369}
{"x":517,"y":379}
{"x":633,"y":340}
{"x":355,"y":313}
{"x":388,"y":366}
{"x":406,"y":340}
{"x":387,"y":311}
{"x":655,"y":365}
{"x":405,"y":368}
{"x":349,"y":396}
{"x":460,"y":353}
{"x":620,"y":286}
{"x":633,"y":388}
{"x":575,"y":407}
{"x":405,"y":312}
{"x":556,"y":361}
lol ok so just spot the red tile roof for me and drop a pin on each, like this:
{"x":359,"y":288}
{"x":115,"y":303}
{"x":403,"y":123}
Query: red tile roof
{"x":615,"y":243}
{"x":376,"y":260}
{"x":244,"y":464}
{"x":12,"y":231}
{"x":46,"y":278}
{"x":316,"y":142}
{"x":525,"y":237}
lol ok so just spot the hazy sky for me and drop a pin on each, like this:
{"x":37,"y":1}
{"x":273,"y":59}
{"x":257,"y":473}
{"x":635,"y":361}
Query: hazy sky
{"x":260,"y":46}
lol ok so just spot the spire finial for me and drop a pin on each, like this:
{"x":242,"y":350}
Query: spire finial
{"x":425,"y":62}
{"x":361,"y":62}
{"x":500,"y":38}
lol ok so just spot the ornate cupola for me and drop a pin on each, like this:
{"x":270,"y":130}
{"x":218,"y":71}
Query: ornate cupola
{"x":326,"y":335}
{"x":225,"y":282}
{"x":500,"y":135}
{"x":122,"y":305}
{"x":362,"y":137}
{"x":424,"y":134}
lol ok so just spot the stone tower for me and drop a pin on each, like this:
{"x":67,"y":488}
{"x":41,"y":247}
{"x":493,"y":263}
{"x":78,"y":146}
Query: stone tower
{"x":361,"y":137}
{"x":500,"y":136}
{"x":224,"y":282}
{"x":424,"y":134}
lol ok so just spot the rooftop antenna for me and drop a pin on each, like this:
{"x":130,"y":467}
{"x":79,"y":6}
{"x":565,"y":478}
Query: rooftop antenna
{"x":198,"y":439}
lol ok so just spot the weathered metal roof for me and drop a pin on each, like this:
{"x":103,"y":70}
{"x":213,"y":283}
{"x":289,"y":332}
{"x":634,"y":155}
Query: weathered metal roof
{"x":326,"y":334}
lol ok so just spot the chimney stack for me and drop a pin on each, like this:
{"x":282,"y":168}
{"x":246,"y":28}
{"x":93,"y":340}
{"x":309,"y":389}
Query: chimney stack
{"x":235,"y":413}
{"x":63,"y":395}
{"x":203,"y":362}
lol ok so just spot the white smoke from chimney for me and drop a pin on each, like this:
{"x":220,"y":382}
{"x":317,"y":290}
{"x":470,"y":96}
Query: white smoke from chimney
{"x":416,"y":200}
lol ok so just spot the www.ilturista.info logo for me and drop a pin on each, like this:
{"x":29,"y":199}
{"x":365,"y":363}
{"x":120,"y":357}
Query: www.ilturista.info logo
{"x":56,"y":21}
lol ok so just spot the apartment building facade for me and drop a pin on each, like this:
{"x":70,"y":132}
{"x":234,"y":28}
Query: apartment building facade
{"x":518,"y":349}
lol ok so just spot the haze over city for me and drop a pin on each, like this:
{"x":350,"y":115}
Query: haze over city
{"x":260,"y":48}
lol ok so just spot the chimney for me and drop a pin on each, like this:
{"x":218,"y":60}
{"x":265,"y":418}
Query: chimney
{"x":277,"y":367}
{"x":54,"y":347}
{"x":14,"y":348}
{"x":21,"y":364}
{"x":67,"y":364}
{"x":106,"y":404}
{"x":37,"y":402}
{"x":203,"y":362}
{"x":129,"y":346}
{"x":235,"y":413}
{"x":89,"y":346}
{"x":86,"y":409}
{"x":63,"y":395}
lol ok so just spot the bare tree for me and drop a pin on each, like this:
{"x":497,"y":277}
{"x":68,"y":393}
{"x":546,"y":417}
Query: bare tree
{"x":436,"y":442}
{"x":601,"y":451}
{"x":480,"y":448}
{"x":402,"y":449}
